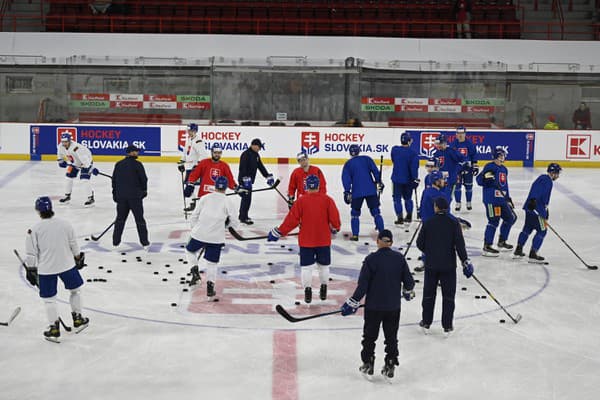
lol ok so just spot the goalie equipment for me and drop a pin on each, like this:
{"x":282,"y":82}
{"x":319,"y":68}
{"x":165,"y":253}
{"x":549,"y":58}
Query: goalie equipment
{"x":43,"y":204}
{"x":311,"y":183}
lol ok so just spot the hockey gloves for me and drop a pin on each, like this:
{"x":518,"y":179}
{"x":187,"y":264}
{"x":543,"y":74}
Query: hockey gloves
{"x":415,"y":184}
{"x":240,"y":191}
{"x":349,"y":307}
{"x":181,"y":166}
{"x":95,"y":171}
{"x":468,"y":268}
{"x":32,"y":276}
{"x":489,"y":178}
{"x":531,"y":204}
{"x":270,"y":180}
{"x":189,"y":189}
{"x":380,"y":186}
{"x":274,"y":235}
{"x":290,"y":201}
{"x":347,"y":197}
{"x":80,"y":260}
{"x":408,"y":294}
{"x":62,"y":164}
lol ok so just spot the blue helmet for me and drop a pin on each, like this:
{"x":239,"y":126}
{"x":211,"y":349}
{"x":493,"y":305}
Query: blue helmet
{"x":311,"y":182}
{"x":354,"y":150}
{"x":216,"y":147}
{"x":436,"y":176}
{"x":554,"y":168}
{"x":221,"y":183}
{"x":499,"y":151}
{"x":65,"y":137}
{"x":43,"y":204}
{"x":405,"y":138}
{"x":193,"y":127}
{"x":441,"y":139}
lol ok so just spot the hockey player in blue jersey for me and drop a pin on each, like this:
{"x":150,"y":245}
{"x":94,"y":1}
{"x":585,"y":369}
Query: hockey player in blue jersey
{"x":362,"y":182}
{"x":438,"y":184}
{"x":451,"y":161}
{"x":497,"y":201}
{"x":465,"y":178}
{"x":405,"y":177}
{"x":536,"y":213}
{"x":432,"y":164}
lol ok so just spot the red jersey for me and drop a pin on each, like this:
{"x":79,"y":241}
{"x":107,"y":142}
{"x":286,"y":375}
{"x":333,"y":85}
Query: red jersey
{"x":207,"y":171}
{"x":316,"y":213}
{"x":298,"y":178}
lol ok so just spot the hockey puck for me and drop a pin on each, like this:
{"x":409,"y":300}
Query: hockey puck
{"x":484,"y":296}
{"x":185,"y":289}
{"x":100,"y":267}
{"x":190,"y":274}
{"x":173,"y":304}
{"x":216,"y":300}
{"x":406,"y":230}
{"x":366,"y":243}
{"x":477,"y":297}
{"x":297,"y":303}
{"x":87,"y":239}
{"x":464,"y":288}
{"x":89,"y":280}
{"x":346,"y":235}
{"x":185,"y":262}
{"x":290,"y":249}
{"x":108,"y":271}
{"x":417,"y":281}
{"x":182,"y":245}
{"x":223,"y":272}
{"x":330,"y":279}
{"x":165,"y":279}
{"x":408,"y":258}
{"x":181,"y":260}
{"x":201,"y":272}
{"x":123,"y":260}
{"x":155,"y":272}
{"x":170,"y":272}
{"x":282,"y":246}
{"x":270,"y":263}
{"x":95,"y":280}
{"x":167,"y":265}
{"x":102,"y":280}
{"x":123,"y":253}
{"x":148,"y":262}
{"x":272,"y":281}
{"x":502,"y":321}
{"x":139,"y":260}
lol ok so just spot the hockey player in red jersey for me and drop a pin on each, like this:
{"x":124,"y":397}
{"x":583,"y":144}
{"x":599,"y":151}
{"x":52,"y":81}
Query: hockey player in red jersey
{"x":206,"y":172}
{"x":318,"y":217}
{"x":299,"y":175}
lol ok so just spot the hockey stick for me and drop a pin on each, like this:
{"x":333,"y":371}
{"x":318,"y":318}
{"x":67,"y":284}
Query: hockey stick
{"x":418,"y":206}
{"x":67,"y":328}
{"x":291,"y":318}
{"x":413,"y":238}
{"x":12,"y":317}
{"x":237,"y":236}
{"x":23,"y":264}
{"x":514,"y":319}
{"x":185,"y":206}
{"x":106,"y":175}
{"x":282,"y":196}
{"x":380,"y":175}
{"x":96,"y":238}
{"x":593,"y":267}
{"x":260,"y":190}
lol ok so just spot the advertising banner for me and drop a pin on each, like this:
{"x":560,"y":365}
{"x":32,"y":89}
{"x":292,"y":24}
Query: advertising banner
{"x":576,"y":146}
{"x":101,"y":140}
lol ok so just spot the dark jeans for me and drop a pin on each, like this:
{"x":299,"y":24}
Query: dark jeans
{"x":245,"y":206}
{"x":447,"y":280}
{"x":137,"y":208}
{"x":390,"y":321}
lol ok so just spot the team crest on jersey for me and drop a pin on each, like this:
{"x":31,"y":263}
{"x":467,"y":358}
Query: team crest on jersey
{"x":428,"y":143}
{"x":181,"y":137}
{"x":441,"y":160}
{"x":215,"y":173}
{"x":464,"y":151}
{"x":502,"y":178}
{"x":60,"y":130}
{"x":310,"y":142}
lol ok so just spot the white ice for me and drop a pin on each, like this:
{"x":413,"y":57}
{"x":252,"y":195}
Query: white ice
{"x":140,"y":347}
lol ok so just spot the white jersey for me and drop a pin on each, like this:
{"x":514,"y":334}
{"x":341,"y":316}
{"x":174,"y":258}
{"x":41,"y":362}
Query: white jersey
{"x":193,"y":151}
{"x":209,"y":216}
{"x":50,"y":246}
{"x":77,"y":154}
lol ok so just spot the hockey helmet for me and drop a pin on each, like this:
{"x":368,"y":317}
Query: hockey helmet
{"x":193,"y":127}
{"x":405,"y":138}
{"x":554,"y":168}
{"x":301,"y":156}
{"x":65,"y":137}
{"x":461,"y":129}
{"x":216,"y":147}
{"x":354,"y":150}
{"x":437,"y":175}
{"x":43,"y":204}
{"x":221,"y":183}
{"x":311,"y":182}
{"x":499,"y":151}
{"x":441,"y":139}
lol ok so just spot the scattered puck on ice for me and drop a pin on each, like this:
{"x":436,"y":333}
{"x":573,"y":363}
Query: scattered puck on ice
{"x":185,"y":262}
{"x":95,"y":280}
{"x":170,"y":272}
{"x":148,"y":262}
{"x":173,"y":304}
{"x":366,"y":243}
{"x":502,"y":321}
{"x":272,"y":281}
{"x":123,"y":253}
{"x":139,"y":260}
{"x":223,"y":272}
{"x":182,"y":245}
{"x":155,"y":272}
{"x":89,"y":280}
{"x":477,"y":297}
{"x":109,"y":271}
{"x":346,"y":235}
{"x":484,"y":297}
{"x":182,"y":282}
{"x":167,"y":265}
{"x":282,"y":246}
{"x":297,"y":303}
{"x":190,"y":274}
{"x":87,"y":239}
{"x":330,"y":279}
{"x":215,"y":300}
{"x":270,"y":263}
{"x":201,"y":272}
{"x":123,"y":260}
{"x":464,"y":288}
{"x":185,"y":289}
{"x":408,"y":258}
{"x":406,"y":230}
{"x":164,"y":279}
{"x":181,"y":259}
{"x":290,"y":249}
{"x":417,"y":281}
{"x":100,"y":267}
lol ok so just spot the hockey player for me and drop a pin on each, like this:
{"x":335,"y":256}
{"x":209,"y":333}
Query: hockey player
{"x":206,"y":172}
{"x":250,"y":162}
{"x":384,"y":278}
{"x":299,"y":175}
{"x":362,"y":182}
{"x":438,"y":183}
{"x":465,"y":147}
{"x":497,"y":201}
{"x":432,"y":164}
{"x":318,"y":217}
{"x":75,"y":157}
{"x":210,"y":218}
{"x":405,"y":177}
{"x":52,"y":252}
{"x":193,"y":151}
{"x":451,"y":161}
{"x":536,"y":213}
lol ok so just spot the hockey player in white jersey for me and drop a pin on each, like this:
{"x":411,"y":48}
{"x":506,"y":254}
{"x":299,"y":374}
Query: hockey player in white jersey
{"x":193,"y":151}
{"x":52,"y":252}
{"x":75,"y":157}
{"x":211,"y":216}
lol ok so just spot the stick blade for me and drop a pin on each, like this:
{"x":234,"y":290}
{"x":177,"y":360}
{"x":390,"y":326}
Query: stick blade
{"x":12,"y":317}
{"x":518,"y":318}
{"x":281,"y":311}
{"x":592,"y":267}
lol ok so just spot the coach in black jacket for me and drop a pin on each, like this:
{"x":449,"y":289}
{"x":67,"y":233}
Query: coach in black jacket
{"x":440,"y":239}
{"x":129,"y":187}
{"x":384,"y":278}
{"x":250,"y":162}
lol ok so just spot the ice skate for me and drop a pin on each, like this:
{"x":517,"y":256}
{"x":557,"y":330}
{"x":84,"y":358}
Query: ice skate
{"x":368,"y":368}
{"x":323,"y":292}
{"x":535,"y":258}
{"x":354,"y":238}
{"x":424,"y":327}
{"x":399,"y":220}
{"x":79,"y":322}
{"x":469,"y":206}
{"x":502,"y":245}
{"x":408,"y":218}
{"x":53,"y":333}
{"x":519,"y":252}
{"x":448,"y":332}
{"x":457,"y":207}
{"x":307,"y":295}
{"x":489,"y":251}
{"x":210,"y":289}
{"x":388,"y":369}
{"x":195,"y":276}
{"x":247,"y":221}
{"x":66,"y":199}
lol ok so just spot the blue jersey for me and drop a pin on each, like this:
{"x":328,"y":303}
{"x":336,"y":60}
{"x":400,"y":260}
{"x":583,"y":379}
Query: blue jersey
{"x":493,"y":189}
{"x":427,"y":199}
{"x":450,"y":161}
{"x":466,"y":149}
{"x":541,"y":189}
{"x":359,"y":176}
{"x":406,"y":165}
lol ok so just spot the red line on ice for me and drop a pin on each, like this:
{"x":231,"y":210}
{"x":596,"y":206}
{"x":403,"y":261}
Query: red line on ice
{"x":285,"y":366}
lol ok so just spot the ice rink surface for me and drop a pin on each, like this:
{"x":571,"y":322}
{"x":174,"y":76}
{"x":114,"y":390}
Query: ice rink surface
{"x":139,"y":346}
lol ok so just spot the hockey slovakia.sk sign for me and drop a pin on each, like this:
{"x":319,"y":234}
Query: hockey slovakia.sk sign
{"x":101,"y":140}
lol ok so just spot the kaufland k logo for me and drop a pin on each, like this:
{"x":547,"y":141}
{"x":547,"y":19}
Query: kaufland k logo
{"x":61,"y":130}
{"x":310,"y":142}
{"x":428,"y":143}
{"x":181,"y":137}
{"x":579,"y":146}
